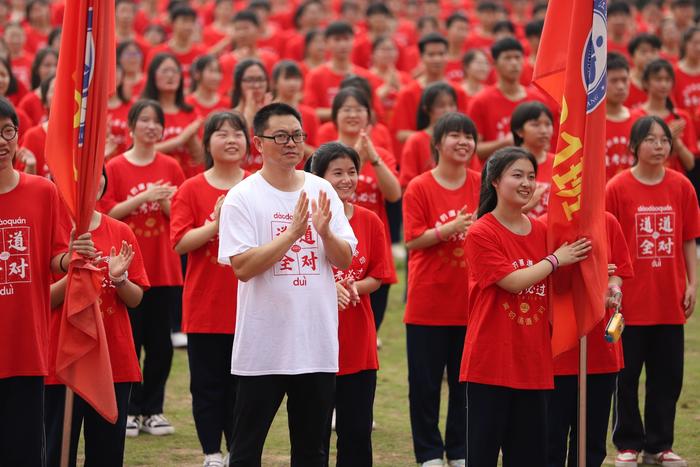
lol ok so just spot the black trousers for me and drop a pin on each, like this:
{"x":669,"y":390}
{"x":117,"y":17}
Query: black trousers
{"x":150,"y":325}
{"x":354,"y":402}
{"x":22,"y":427}
{"x":104,"y":442}
{"x":309,"y":406}
{"x":660,"y":350}
{"x":213,"y":388}
{"x":563,"y":419}
{"x":431,"y":350}
{"x":379,"y":300}
{"x":504,"y":419}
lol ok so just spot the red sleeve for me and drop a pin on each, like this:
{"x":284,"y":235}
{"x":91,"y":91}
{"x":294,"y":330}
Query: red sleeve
{"x":178,"y":176}
{"x":691,"y":212}
{"x":379,"y":266}
{"x":404,"y":117}
{"x":415,"y":212}
{"x":476,"y":113}
{"x":409,"y":161}
{"x":109,"y":199}
{"x":137,"y":270}
{"x":484,"y":250}
{"x":311,"y":124}
{"x":388,"y":159}
{"x":63,"y":227}
{"x":619,"y":253}
{"x":326,"y":133}
{"x":181,"y":215}
{"x":690,"y":138}
{"x":312,"y":86}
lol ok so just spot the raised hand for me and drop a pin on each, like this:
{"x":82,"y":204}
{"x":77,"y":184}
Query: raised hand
{"x":217,"y":207}
{"x":300,"y":220}
{"x":321,"y":214}
{"x":119,"y":263}
{"x":462,"y":222}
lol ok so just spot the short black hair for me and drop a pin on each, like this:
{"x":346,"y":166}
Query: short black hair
{"x":258,"y":5}
{"x":182,"y":10}
{"x":538,"y":8}
{"x":7,"y":110}
{"x":427,"y":100}
{"x":328,"y":152}
{"x":455,"y":17}
{"x":504,"y":25}
{"x":427,"y":19}
{"x":359,"y":82}
{"x":246,"y":15}
{"x":681,"y":3}
{"x":452,"y":121}
{"x":534,"y":28}
{"x":641,"y":129}
{"x":431,"y":38}
{"x":276,"y":109}
{"x":139,"y":106}
{"x":643,"y":38}
{"x":617,"y":61}
{"x":506,"y":44}
{"x":12,"y":87}
{"x":344,"y":94}
{"x":213,"y":123}
{"x":36,"y":64}
{"x":488,"y":6}
{"x":619,"y":8}
{"x":523,"y":113}
{"x":378,"y":9}
{"x":301,"y":9}
{"x":338,"y":29}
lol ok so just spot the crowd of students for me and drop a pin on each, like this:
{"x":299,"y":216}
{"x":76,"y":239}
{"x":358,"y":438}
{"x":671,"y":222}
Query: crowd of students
{"x":261,"y":159}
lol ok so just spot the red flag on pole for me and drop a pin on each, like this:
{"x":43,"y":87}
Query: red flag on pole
{"x":75,"y":153}
{"x":571,"y":67}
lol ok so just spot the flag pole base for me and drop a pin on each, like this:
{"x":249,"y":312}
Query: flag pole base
{"x":67,"y":423}
{"x":582,"y":403}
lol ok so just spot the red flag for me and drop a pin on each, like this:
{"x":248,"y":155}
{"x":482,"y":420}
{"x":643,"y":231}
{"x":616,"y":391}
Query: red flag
{"x":75,"y":153}
{"x":571,"y":67}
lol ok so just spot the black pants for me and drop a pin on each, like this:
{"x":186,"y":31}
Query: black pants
{"x":22,"y":415}
{"x":309,"y":407}
{"x":379,"y":299}
{"x":660,"y":350}
{"x":213,"y":388}
{"x":104,"y":442}
{"x":563,"y":419}
{"x":431,"y":350}
{"x":150,"y":325}
{"x":504,"y":419}
{"x":394,"y":213}
{"x":354,"y":402}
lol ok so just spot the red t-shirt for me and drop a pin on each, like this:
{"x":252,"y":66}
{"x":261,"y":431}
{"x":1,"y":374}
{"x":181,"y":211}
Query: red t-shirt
{"x":618,"y":156}
{"x":35,"y":39}
{"x":686,"y":90}
{"x":544,"y":180}
{"x":224,"y":103}
{"x":322,"y":84}
{"x":442,"y":267}
{"x":32,"y":105}
{"x":22,"y":69}
{"x":310,"y":123}
{"x":30,"y":234}
{"x":205,"y":309}
{"x":688,"y":135}
{"x":602,"y":356}
{"x":35,"y":141}
{"x":416,"y":157}
{"x":508,"y":335}
{"x":357,"y":334}
{"x":120,"y":341}
{"x":174,"y":125}
{"x":149,"y":223}
{"x":369,"y":196}
{"x":119,"y":127}
{"x":656,"y":220}
{"x":637,"y":96}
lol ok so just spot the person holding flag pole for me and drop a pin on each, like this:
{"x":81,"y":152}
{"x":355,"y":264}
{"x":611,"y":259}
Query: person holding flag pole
{"x":571,"y":68}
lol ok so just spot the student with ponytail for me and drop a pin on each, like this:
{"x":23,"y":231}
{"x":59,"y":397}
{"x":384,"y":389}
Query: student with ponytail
{"x":507,"y":357}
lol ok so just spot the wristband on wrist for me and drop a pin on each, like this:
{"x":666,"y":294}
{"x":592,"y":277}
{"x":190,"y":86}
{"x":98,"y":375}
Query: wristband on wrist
{"x":60,"y":263}
{"x":376,"y":161}
{"x":614,"y":289}
{"x":438,"y":234}
{"x":119,"y":281}
{"x":553,"y":261}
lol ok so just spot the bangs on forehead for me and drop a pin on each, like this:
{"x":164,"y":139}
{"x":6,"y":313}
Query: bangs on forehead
{"x":456,"y":123}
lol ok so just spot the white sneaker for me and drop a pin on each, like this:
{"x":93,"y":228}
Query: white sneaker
{"x":157,"y":425}
{"x":665,"y":458}
{"x":627,"y":458}
{"x":226,"y":459}
{"x":178,"y":339}
{"x":133,"y":425}
{"x":379,"y":343}
{"x":333,"y":421}
{"x":433,"y":463}
{"x":457,"y":463}
{"x":213,"y":460}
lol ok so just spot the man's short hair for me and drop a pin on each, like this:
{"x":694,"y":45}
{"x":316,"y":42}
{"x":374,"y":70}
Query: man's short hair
{"x":8,"y":111}
{"x":338,"y":29}
{"x":504,"y":25}
{"x":182,"y":10}
{"x":488,"y":6}
{"x":276,"y":109}
{"x":641,"y":39}
{"x":248,"y":16}
{"x":505,"y":45}
{"x":378,"y":9}
{"x":534,"y":28}
{"x":431,"y":38}
{"x":617,"y":61}
{"x":260,"y":5}
{"x":454,"y":17}
{"x":619,"y":8}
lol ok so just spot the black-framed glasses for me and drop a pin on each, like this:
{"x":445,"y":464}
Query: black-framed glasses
{"x":283,"y":138}
{"x":8,"y":132}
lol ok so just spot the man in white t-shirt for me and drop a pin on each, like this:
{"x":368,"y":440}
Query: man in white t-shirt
{"x":287,"y":317}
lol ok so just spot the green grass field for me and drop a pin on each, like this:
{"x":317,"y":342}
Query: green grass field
{"x":392,"y":438}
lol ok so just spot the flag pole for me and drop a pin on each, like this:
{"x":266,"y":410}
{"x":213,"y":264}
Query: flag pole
{"x":67,"y":423}
{"x":582,"y":383}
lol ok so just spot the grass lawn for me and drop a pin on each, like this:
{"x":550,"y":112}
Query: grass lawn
{"x":392,"y":438}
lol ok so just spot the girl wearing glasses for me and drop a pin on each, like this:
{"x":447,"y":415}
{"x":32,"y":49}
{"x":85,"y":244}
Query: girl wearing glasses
{"x":658,"y":211}
{"x":165,"y":85}
{"x":208,"y":315}
{"x":130,"y":58}
{"x":204,"y":87}
{"x":378,"y":179}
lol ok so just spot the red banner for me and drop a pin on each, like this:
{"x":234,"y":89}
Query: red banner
{"x":571,"y":67}
{"x":75,"y":154}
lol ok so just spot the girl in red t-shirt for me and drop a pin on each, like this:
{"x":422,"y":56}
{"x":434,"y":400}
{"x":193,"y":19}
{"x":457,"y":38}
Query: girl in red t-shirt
{"x":141,"y":184}
{"x":438,"y":207}
{"x":378,"y":180}
{"x":204,"y":93}
{"x":417,"y":155}
{"x":357,"y":360}
{"x":477,"y":68}
{"x":118,"y":138}
{"x":686,"y":91}
{"x":658,"y":80}
{"x":209,"y":295}
{"x":165,"y":85}
{"x":130,"y":58}
{"x":507,"y":357}
{"x":385,"y":55}
{"x":658,"y":211}
{"x":122,"y":286}
{"x":531,"y":125}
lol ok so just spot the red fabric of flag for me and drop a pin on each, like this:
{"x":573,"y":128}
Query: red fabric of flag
{"x":571,"y":67}
{"x":75,"y":153}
